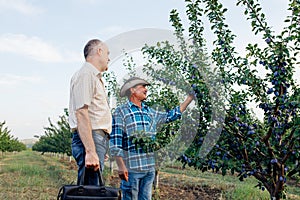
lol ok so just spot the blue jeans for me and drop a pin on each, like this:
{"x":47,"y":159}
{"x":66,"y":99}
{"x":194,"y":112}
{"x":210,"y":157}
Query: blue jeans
{"x":139,"y":185}
{"x":78,"y":152}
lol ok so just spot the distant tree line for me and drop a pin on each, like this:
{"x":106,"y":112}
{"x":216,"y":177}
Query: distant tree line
{"x":57,"y":138}
{"x":7,"y":142}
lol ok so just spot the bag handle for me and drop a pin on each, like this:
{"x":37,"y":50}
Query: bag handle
{"x":60,"y":193}
{"x":101,"y":179}
{"x":99,"y":173}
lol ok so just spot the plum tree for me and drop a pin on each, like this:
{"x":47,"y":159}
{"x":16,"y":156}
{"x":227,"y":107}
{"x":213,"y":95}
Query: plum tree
{"x":266,"y":149}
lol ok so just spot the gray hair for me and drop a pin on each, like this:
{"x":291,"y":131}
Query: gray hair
{"x":89,"y":47}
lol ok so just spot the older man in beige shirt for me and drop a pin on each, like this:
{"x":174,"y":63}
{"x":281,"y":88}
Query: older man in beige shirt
{"x":89,"y":113}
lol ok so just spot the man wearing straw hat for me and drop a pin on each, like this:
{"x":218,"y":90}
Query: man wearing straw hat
{"x":135,"y":167}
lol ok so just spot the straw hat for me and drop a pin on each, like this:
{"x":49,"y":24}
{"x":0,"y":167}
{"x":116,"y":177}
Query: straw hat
{"x":130,"y":83}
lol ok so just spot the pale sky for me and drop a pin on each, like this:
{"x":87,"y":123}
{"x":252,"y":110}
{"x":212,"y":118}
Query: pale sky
{"x":41,"y":46}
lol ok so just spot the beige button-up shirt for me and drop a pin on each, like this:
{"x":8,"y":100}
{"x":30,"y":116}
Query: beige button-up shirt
{"x":87,"y":88}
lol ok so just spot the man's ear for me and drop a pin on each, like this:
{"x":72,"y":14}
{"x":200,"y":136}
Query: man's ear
{"x":99,"y":51}
{"x":132,"y":90}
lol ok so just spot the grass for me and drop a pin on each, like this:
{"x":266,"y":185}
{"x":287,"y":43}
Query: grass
{"x":28,"y":175}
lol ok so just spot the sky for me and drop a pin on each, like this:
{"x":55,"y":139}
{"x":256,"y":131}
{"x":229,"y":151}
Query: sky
{"x":41,"y":45}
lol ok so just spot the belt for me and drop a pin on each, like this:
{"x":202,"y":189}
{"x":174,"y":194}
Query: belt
{"x":98,"y":131}
{"x":102,"y":133}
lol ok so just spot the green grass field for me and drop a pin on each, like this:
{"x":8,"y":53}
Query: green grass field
{"x":29,"y":175}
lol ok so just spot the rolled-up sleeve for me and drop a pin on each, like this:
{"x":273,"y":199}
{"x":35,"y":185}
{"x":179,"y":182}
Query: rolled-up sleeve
{"x":173,"y":114}
{"x":166,"y":117}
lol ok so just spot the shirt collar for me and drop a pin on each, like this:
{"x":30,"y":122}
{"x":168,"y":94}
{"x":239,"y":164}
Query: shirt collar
{"x":93,"y":69}
{"x":130,"y":104}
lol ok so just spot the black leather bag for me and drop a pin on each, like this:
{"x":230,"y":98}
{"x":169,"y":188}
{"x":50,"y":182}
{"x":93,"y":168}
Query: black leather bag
{"x":86,"y":192}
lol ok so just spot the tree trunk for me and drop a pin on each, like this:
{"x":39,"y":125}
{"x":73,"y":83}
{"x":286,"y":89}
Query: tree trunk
{"x":111,"y":166}
{"x":156,"y":179}
{"x":274,"y":198}
{"x":275,"y":195}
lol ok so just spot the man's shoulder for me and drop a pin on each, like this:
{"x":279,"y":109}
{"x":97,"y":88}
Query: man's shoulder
{"x":122,"y":106}
{"x":84,"y":71}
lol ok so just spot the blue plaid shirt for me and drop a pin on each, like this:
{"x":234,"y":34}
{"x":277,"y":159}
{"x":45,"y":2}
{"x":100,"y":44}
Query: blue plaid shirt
{"x":129,"y":119}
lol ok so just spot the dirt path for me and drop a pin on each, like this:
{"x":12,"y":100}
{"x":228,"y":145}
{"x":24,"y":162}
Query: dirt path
{"x":178,"y":187}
